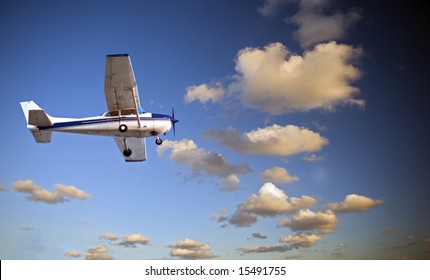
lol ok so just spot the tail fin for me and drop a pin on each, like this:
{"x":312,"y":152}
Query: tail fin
{"x":36,"y":117}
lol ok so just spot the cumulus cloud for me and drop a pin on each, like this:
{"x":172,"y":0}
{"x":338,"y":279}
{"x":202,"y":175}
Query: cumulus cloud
{"x":278,"y":175}
{"x":61,"y":193}
{"x":324,"y":222}
{"x":3,"y":188}
{"x":276,"y":81}
{"x":134,"y":239}
{"x":204,"y":93}
{"x":354,"y":203}
{"x":269,"y":201}
{"x":316,"y":25}
{"x":204,"y":162}
{"x":301,"y":240}
{"x":109,"y":236}
{"x":265,"y":249}
{"x":191,"y":249}
{"x":273,"y":140}
{"x":97,"y":253}
{"x":72,"y":254}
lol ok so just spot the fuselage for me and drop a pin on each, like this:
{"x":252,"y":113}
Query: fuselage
{"x":112,"y":124}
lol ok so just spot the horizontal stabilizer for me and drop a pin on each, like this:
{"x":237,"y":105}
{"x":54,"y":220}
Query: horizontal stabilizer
{"x":42,"y":136}
{"x":38,"y":117}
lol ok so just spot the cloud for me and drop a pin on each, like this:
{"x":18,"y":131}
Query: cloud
{"x":201,"y":161}
{"x":316,"y":26}
{"x":354,"y":203}
{"x":273,"y":140}
{"x":324,"y":222}
{"x":97,"y":253}
{"x":109,"y":236}
{"x":302,"y":240}
{"x":312,"y":158}
{"x":278,"y":175}
{"x":265,"y":249}
{"x":276,"y":81}
{"x":259,"y":235}
{"x":190,"y":249}
{"x":271,"y":7}
{"x":72,"y":254}
{"x":270,"y":201}
{"x":61,"y":193}
{"x":230,"y":183}
{"x":204,"y":93}
{"x":3,"y":188}
{"x":134,"y":239}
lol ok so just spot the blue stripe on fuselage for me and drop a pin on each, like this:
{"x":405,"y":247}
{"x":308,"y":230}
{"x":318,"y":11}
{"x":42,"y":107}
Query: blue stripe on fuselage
{"x":106,"y":120}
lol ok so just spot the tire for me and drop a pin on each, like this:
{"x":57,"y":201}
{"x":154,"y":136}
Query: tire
{"x":158,"y":141}
{"x":127,"y":152}
{"x":123,"y":128}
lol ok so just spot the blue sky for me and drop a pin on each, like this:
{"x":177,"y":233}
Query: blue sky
{"x":302,"y":135}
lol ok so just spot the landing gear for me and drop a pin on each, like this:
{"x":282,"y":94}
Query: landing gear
{"x":127,"y":152}
{"x":158,"y":141}
{"x":123,"y":128}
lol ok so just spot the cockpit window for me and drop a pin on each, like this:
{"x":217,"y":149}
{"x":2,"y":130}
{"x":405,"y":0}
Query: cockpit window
{"x":126,"y":112}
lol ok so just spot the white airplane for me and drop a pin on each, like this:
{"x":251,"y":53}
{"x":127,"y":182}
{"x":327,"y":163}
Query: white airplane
{"x":125,"y":120}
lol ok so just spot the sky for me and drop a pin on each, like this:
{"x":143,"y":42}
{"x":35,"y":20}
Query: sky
{"x":303,"y":131}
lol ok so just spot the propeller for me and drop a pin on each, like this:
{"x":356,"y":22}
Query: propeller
{"x":174,"y":121}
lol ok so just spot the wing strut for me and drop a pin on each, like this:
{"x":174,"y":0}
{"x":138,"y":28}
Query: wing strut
{"x":135,"y":106}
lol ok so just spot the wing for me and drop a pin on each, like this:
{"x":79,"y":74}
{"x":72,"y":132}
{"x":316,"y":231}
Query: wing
{"x":136,"y":145}
{"x":120,"y":84}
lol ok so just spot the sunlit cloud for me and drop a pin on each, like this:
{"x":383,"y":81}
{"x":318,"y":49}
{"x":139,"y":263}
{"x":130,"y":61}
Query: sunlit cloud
{"x":316,"y":25}
{"x":324,"y":222}
{"x":3,"y":188}
{"x":301,"y":240}
{"x":204,"y":162}
{"x":278,"y":175}
{"x":191,"y":249}
{"x":97,"y":253}
{"x":277,"y":81}
{"x":109,"y":236}
{"x":133,"y":240}
{"x":61,"y":193}
{"x":270,"y":201}
{"x":354,"y":203}
{"x":273,"y":140}
{"x":204,"y":93}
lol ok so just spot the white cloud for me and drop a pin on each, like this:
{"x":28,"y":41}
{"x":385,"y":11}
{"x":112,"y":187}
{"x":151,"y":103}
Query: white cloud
{"x":273,"y":140}
{"x":316,"y":26}
{"x":276,"y":81}
{"x":355,"y":203}
{"x":134,"y":239}
{"x":324,"y":222}
{"x":312,"y":158}
{"x":60,"y":194}
{"x":191,"y":249}
{"x":204,"y":162}
{"x":204,"y":93}
{"x":302,"y":240}
{"x":270,"y":201}
{"x":109,"y":236}
{"x":97,"y":253}
{"x":278,"y":175}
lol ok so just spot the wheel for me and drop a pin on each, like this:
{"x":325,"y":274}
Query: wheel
{"x":123,"y":128}
{"x":158,"y":141}
{"x":127,"y":152}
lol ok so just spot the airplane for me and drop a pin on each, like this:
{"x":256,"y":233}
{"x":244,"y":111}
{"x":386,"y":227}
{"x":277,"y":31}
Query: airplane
{"x":126,"y":121}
